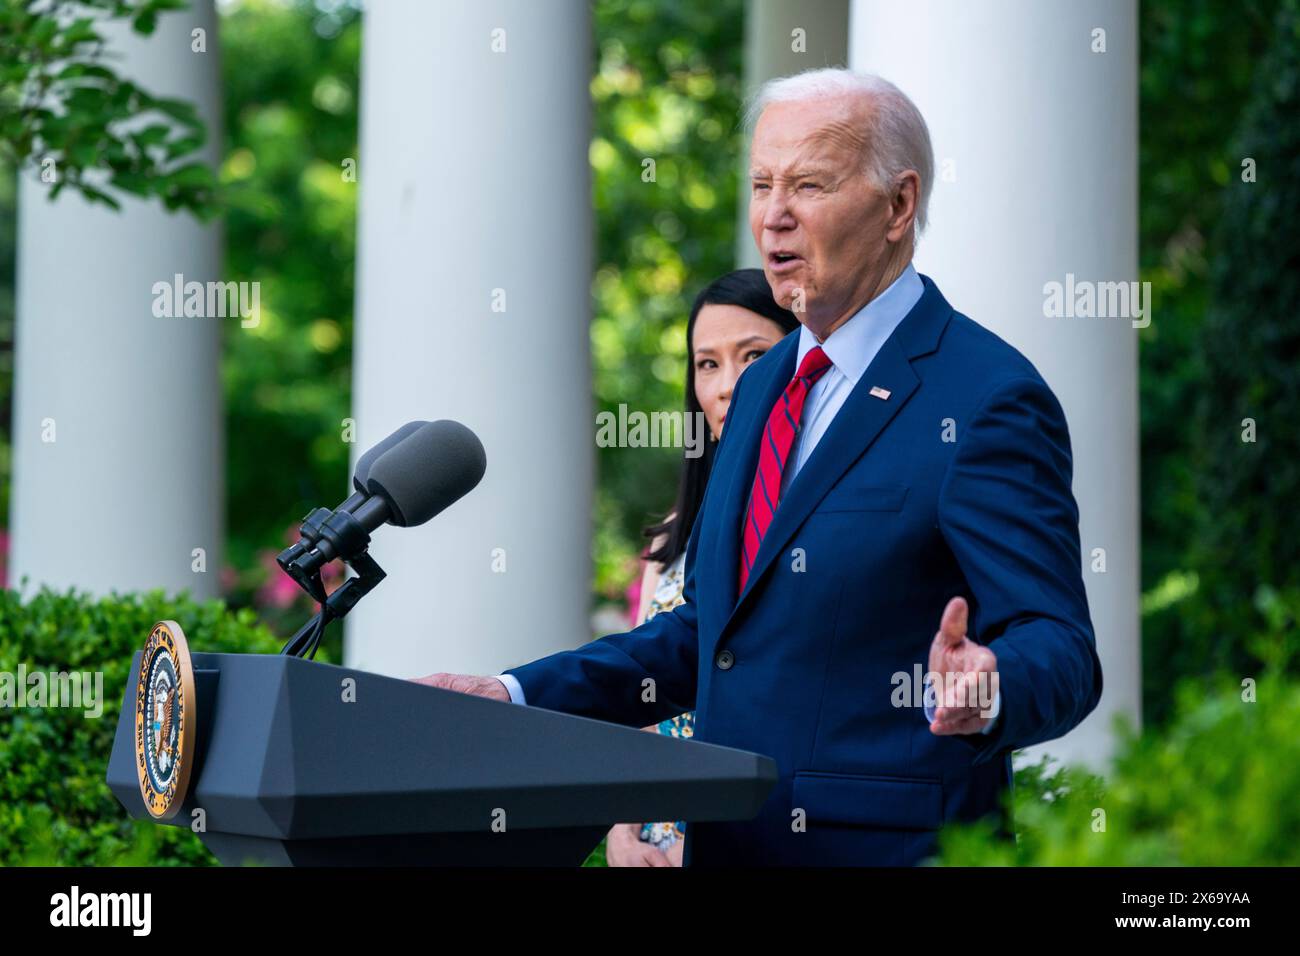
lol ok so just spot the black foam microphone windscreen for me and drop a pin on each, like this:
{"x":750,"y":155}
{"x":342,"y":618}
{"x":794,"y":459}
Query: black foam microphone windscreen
{"x":370,"y":456}
{"x":437,"y":464}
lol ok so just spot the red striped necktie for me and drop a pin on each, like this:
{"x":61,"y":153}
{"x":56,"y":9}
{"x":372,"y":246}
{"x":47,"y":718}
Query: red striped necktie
{"x":778,"y":438}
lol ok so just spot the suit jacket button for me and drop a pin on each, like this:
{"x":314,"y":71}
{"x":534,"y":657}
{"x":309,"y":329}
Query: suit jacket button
{"x":724,"y":660}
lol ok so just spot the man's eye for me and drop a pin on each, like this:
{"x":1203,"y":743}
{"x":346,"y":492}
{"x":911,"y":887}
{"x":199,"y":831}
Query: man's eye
{"x":758,"y":186}
{"x":809,"y":186}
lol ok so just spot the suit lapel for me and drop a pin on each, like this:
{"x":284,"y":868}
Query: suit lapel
{"x":742,"y":475}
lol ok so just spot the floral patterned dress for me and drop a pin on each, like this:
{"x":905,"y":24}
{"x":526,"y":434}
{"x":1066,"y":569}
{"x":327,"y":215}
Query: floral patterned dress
{"x":668,"y":595}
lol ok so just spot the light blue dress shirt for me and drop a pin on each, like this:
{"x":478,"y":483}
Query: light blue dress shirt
{"x":851,"y":349}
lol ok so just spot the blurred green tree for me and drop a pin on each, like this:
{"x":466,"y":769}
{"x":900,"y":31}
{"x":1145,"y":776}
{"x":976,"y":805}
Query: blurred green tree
{"x":66,"y":112}
{"x":1247,"y":453}
{"x":291,"y":79}
{"x":668,"y":88}
{"x":1198,"y":59}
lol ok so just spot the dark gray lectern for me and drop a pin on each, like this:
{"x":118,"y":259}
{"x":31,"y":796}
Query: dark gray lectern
{"x":297,"y":766}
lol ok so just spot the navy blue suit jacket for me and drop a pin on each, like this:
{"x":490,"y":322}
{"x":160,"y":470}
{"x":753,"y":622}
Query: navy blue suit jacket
{"x":888,"y":519}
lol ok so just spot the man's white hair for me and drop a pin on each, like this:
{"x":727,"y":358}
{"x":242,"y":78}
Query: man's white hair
{"x":896,"y":135}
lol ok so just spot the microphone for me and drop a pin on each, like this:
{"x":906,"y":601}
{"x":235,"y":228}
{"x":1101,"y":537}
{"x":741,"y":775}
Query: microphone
{"x":368,"y":458}
{"x":435,"y":466}
{"x":311,"y":525}
{"x":412,"y":475}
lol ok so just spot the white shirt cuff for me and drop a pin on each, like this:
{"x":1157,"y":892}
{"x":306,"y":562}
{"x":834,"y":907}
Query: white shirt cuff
{"x":512,"y":685}
{"x":929,"y":708}
{"x":997,"y":709}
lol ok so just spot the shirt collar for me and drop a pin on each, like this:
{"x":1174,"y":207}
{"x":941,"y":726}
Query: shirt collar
{"x":854,"y":344}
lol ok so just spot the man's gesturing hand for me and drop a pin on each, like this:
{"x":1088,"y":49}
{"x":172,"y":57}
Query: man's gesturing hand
{"x":467,"y":684}
{"x":958,"y":663}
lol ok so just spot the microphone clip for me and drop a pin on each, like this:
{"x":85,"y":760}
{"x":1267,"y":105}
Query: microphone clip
{"x":325,"y":535}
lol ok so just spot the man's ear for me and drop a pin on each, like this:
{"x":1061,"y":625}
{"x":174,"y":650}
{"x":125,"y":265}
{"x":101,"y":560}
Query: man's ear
{"x":902,"y":205}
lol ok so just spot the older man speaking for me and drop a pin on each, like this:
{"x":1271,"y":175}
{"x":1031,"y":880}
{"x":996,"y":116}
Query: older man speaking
{"x":891,"y":467}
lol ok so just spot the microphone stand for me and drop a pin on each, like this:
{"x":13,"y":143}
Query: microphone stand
{"x":303,"y":561}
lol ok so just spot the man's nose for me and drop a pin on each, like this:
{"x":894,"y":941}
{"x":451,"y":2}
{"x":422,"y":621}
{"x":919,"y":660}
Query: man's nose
{"x":776,"y":214}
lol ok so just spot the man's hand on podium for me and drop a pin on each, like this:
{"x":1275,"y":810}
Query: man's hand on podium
{"x":468,"y":684}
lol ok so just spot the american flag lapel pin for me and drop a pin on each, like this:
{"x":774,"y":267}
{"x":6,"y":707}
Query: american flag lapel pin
{"x":880,"y":393}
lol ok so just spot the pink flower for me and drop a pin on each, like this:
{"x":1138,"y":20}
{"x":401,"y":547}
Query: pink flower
{"x":229,"y":579}
{"x":633,"y":597}
{"x":280,"y":590}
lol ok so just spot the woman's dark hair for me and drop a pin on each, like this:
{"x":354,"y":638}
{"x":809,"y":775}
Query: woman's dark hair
{"x":748,"y":289}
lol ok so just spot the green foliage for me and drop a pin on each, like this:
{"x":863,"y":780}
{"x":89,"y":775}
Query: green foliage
{"x":597,"y":856}
{"x":1216,"y":787}
{"x":290,"y":76}
{"x":1228,"y":294}
{"x":1249,"y":528}
{"x":55,"y":807}
{"x":104,"y":136}
{"x":667,"y":87}
{"x":1197,"y":59}
{"x":8,"y":245}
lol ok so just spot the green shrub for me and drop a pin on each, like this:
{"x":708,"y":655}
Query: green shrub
{"x":1215,"y":787}
{"x":597,"y":856}
{"x":55,"y":807}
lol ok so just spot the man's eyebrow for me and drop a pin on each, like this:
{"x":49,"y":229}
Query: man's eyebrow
{"x":799,"y":172}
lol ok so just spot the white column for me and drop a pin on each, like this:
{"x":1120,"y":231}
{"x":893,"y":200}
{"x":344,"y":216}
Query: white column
{"x":1035,"y":137}
{"x":475,"y":193}
{"x":782,"y":38}
{"x":132,"y":481}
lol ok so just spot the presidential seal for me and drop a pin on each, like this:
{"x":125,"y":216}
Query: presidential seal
{"x":164,"y":720}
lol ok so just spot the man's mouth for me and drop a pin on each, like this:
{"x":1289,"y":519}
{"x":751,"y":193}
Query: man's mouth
{"x":782,"y":261}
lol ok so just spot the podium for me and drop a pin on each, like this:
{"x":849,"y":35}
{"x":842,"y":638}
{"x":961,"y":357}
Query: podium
{"x":300,"y":763}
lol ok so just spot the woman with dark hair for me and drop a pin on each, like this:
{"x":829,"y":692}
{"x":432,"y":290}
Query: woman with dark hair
{"x":733,"y":322}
